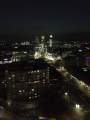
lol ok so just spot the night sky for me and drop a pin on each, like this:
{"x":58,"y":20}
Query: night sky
{"x":39,"y":16}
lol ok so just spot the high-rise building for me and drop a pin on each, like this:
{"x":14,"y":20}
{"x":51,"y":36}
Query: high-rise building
{"x":26,"y":84}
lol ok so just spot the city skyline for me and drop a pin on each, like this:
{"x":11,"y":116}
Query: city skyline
{"x":45,"y":60}
{"x":44,"y":78}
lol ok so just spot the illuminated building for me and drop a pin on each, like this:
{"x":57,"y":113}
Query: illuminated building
{"x":40,"y":48}
{"x":23,"y":82}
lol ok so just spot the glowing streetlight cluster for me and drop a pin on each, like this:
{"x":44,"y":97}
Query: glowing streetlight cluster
{"x":77,"y":106}
{"x":37,"y":55}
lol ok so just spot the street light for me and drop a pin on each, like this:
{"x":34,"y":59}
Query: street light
{"x":77,"y":106}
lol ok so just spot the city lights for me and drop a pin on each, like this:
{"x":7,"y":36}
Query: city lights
{"x":30,"y":97}
{"x":45,"y":73}
{"x":85,"y":69}
{"x":42,"y":37}
{"x":13,"y":75}
{"x":37,"y":55}
{"x":80,"y":50}
{"x":77,"y":106}
{"x":20,"y":91}
{"x":9,"y":78}
{"x":49,"y":57}
{"x":51,"y":36}
{"x":25,"y":52}
{"x":66,"y":93}
{"x":32,"y":90}
{"x":9,"y":102}
{"x":16,"y":47}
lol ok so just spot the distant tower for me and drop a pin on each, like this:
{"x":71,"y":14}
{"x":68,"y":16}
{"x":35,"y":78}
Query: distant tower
{"x":40,"y":48}
{"x":50,"y":40}
{"x":42,"y":45}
